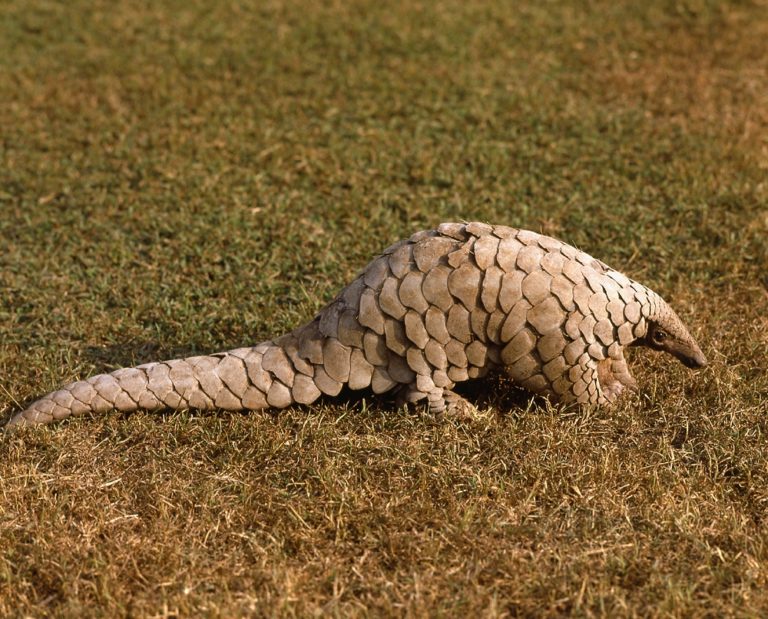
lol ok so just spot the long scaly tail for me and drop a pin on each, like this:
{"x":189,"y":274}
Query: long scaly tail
{"x":270,"y":374}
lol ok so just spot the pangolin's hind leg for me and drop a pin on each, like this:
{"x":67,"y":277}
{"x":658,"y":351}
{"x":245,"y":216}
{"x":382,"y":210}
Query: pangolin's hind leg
{"x":457,"y":406}
{"x":439,"y":399}
{"x":422,"y":388}
{"x":408,"y":394}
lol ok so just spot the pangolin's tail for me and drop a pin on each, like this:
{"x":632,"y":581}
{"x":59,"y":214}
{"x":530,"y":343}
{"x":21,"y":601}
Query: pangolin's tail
{"x":270,"y":374}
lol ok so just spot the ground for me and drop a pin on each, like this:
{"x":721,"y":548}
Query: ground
{"x":187,"y":177}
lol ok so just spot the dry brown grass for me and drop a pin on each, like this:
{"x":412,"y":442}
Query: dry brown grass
{"x":187,"y":177}
{"x":701,"y":65}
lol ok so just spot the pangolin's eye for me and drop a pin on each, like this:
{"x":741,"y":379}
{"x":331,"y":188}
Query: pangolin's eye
{"x":659,"y":335}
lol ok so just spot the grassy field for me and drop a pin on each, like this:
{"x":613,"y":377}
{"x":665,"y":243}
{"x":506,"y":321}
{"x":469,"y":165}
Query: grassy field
{"x":186,"y":177}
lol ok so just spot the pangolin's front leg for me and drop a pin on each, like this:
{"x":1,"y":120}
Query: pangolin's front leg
{"x":613,"y":376}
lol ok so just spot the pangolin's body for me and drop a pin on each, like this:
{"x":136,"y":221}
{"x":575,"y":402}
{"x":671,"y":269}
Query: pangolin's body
{"x":442,"y":307}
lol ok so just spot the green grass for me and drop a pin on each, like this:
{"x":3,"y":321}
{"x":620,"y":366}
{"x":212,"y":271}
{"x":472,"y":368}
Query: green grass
{"x":180,"y":177}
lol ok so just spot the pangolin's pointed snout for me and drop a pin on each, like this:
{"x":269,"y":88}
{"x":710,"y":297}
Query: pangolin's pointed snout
{"x":691,"y":356}
{"x":696,"y":361}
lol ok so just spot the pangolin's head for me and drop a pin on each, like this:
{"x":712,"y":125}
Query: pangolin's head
{"x":665,"y":331}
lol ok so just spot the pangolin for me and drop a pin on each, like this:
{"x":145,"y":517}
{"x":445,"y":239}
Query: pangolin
{"x":442,"y":307}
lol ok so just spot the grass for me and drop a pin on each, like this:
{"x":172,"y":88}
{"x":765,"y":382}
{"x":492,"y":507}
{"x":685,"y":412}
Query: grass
{"x":181,"y":177}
